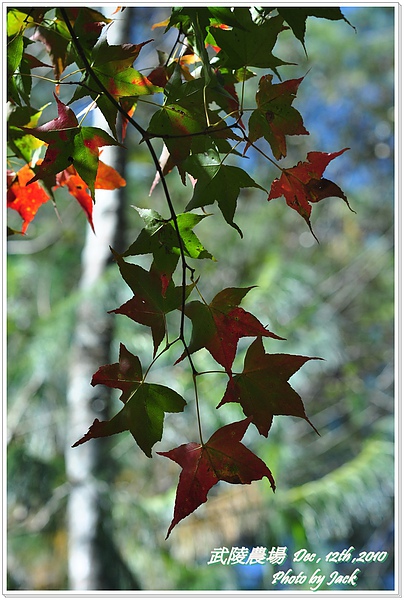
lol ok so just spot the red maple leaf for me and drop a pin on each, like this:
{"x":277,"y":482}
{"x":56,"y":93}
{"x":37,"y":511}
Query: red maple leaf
{"x":262,"y":388}
{"x":222,"y":458}
{"x":304,"y":183}
{"x":149,"y":306}
{"x":219,"y":325}
{"x":25,"y":199}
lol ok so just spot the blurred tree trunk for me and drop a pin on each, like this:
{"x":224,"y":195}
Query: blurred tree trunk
{"x":94,"y":562}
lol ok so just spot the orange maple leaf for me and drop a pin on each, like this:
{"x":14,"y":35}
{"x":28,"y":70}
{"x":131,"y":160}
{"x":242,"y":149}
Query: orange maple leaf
{"x":25,"y":199}
{"x":107,"y":179}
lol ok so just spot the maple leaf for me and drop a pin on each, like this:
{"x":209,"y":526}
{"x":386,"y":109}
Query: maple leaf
{"x":161,"y":233}
{"x":274,"y":117}
{"x":159,"y":237}
{"x":219,"y":326}
{"x":161,"y":74}
{"x":69,"y":144}
{"x":124,"y":82}
{"x":145,"y":403}
{"x":304,"y":183}
{"x":15,"y":49}
{"x":149,"y":306}
{"x":107,"y":179}
{"x":87,"y":23}
{"x":23,"y":196}
{"x":183,"y":115}
{"x":23,"y":145}
{"x":19,"y":19}
{"x":55,"y":37}
{"x":222,"y":458}
{"x":217,"y":182}
{"x":19,"y":80}
{"x":123,"y":55}
{"x":262,"y":388}
{"x":249,"y":44}
{"x":78,"y":188}
{"x":173,"y":121}
{"x":296,"y":18}
{"x":111,"y":66}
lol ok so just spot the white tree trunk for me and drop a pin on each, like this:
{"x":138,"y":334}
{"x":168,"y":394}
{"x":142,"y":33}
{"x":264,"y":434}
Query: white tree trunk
{"x":93,"y":561}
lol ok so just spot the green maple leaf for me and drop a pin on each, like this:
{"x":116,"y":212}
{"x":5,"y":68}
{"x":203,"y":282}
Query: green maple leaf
{"x":159,"y":238}
{"x":219,"y":325}
{"x":274,"y":117}
{"x":154,"y":297}
{"x":184,"y":115}
{"x":19,"y":19}
{"x":87,"y":142}
{"x":160,"y":234}
{"x":15,"y":49}
{"x":262,"y":388}
{"x":217,"y":182}
{"x":22,"y":144}
{"x":144,"y":403}
{"x":193,"y":95}
{"x":180,"y":123}
{"x":19,"y":65}
{"x":249,"y":44}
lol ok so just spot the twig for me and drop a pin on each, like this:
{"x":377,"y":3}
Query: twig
{"x":146,"y":137}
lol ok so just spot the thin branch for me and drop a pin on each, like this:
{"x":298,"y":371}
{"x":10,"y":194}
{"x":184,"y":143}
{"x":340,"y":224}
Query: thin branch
{"x":177,"y":41}
{"x":146,"y":137}
{"x":259,"y":150}
{"x":198,"y":415}
{"x":95,"y":77}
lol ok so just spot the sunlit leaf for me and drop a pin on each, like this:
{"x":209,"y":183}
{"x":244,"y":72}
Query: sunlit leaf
{"x":25,"y":199}
{"x":304,"y":184}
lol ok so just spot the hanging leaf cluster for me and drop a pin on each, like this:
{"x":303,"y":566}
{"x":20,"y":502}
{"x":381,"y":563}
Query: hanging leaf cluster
{"x":198,"y":92}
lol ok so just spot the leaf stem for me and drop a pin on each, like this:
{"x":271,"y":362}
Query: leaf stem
{"x":172,"y":51}
{"x":261,"y":152}
{"x":165,"y":349}
{"x":70,"y":74}
{"x":213,"y":372}
{"x":34,"y":76}
{"x":198,"y":415}
{"x":88,"y":109}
